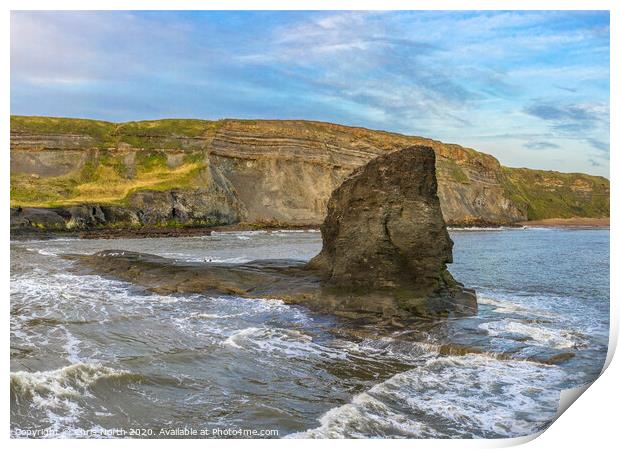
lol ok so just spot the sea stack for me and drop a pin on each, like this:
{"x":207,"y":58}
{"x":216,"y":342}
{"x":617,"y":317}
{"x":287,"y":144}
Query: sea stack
{"x":384,"y":231}
{"x":384,"y":255}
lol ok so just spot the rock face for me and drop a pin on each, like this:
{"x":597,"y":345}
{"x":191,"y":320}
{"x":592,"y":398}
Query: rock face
{"x":385,"y":250}
{"x":278,"y":172}
{"x":206,"y":206}
{"x":384,"y":231}
{"x":384,"y":227}
{"x":171,"y":208}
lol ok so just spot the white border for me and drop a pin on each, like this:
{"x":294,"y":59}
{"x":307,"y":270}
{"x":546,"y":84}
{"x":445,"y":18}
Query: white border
{"x":300,"y":5}
{"x":590,"y":422}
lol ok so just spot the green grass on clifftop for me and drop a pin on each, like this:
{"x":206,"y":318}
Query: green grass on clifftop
{"x":148,"y":134}
{"x":551,"y":194}
{"x":102,"y":132}
{"x":107,"y":180}
{"x":171,"y":153}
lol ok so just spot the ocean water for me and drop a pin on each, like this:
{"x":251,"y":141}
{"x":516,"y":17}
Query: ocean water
{"x":95,"y":357}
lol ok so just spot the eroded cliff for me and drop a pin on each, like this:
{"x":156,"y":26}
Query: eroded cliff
{"x":197,"y":172}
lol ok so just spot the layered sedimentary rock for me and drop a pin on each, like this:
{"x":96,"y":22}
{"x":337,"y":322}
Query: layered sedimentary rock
{"x":385,"y":250}
{"x":384,"y":231}
{"x":270,"y":171}
{"x":384,"y":226}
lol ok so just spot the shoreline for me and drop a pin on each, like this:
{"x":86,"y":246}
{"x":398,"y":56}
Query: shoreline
{"x":575,"y":222}
{"x":159,"y":232}
{"x":147,"y":231}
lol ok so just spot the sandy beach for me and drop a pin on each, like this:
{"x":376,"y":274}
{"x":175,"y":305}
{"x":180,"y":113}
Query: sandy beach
{"x":576,"y":222}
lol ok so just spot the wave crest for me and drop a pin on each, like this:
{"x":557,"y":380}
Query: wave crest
{"x":46,"y":389}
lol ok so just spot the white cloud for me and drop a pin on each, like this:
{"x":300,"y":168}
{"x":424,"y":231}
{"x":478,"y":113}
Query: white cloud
{"x":452,"y":76}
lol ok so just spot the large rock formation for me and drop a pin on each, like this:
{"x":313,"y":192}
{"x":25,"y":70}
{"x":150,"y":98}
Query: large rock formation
{"x":384,"y":227}
{"x":385,"y":250}
{"x":384,"y":231}
{"x":278,"y":172}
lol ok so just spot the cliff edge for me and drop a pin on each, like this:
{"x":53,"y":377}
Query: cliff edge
{"x":74,"y":173}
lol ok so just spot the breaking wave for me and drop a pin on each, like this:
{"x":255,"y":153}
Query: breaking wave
{"x":450,"y":397}
{"x":280,"y":342}
{"x":204,"y":358}
{"x":59,"y":388}
{"x":537,"y":334}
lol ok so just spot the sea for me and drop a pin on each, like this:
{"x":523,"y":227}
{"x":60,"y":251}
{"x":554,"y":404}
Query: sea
{"x":93,"y":357}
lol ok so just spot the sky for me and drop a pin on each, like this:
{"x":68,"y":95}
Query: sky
{"x":529,"y":87}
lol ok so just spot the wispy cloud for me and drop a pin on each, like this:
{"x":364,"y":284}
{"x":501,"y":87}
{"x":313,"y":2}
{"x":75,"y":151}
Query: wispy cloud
{"x":567,"y":89}
{"x":506,"y":80}
{"x":541,"y":145}
{"x":98,"y":47}
{"x":583,"y":115}
{"x":598,"y":145}
{"x":580,"y":121}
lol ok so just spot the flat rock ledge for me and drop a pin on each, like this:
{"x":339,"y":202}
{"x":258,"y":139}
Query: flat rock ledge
{"x":385,"y":251}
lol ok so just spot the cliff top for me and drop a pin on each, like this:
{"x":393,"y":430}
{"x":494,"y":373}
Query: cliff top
{"x":147,"y":133}
{"x":174,"y":155}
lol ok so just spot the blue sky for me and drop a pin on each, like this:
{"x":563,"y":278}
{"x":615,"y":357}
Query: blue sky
{"x":531,"y":88}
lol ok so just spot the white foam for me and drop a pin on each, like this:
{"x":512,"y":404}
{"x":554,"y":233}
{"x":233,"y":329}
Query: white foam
{"x":60,"y":394}
{"x":236,"y":233}
{"x":41,"y":252}
{"x":240,"y":259}
{"x":72,"y":347}
{"x":213,"y":316}
{"x":482,"y":228}
{"x":260,"y":306}
{"x":448,"y":397}
{"x":540,"y":335}
{"x":508,"y":306}
{"x":392,"y":349}
{"x":279,"y":343}
{"x":46,"y":253}
{"x":54,"y":302}
{"x":57,"y":388}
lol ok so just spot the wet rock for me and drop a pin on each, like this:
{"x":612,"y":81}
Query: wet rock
{"x":36,"y":218}
{"x":213,"y":206}
{"x":546,"y":355}
{"x":147,"y":208}
{"x":120,"y":216}
{"x":85,"y":217}
{"x":552,"y":359}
